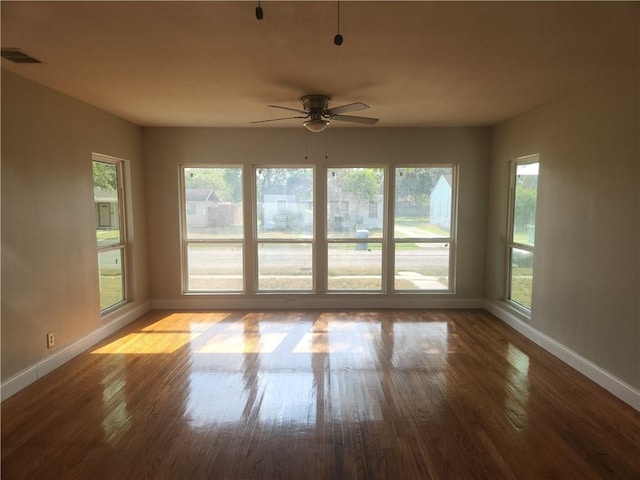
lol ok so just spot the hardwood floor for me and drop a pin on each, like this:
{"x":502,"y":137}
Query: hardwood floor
{"x":452,"y":394}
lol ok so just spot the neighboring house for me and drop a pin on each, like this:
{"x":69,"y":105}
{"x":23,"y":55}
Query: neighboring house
{"x":198,"y":202}
{"x":343,"y":212}
{"x":275,"y":205}
{"x":107,"y":213}
{"x":440,"y":206}
{"x":204,"y":209}
{"x":353,"y":213}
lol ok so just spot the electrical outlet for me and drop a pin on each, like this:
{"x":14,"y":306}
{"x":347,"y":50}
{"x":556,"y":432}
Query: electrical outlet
{"x":51,"y":340}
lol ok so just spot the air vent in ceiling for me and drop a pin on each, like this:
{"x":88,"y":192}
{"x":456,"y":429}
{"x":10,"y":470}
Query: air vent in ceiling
{"x":16,"y":56}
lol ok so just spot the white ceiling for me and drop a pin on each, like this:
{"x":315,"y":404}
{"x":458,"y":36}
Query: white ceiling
{"x":416,"y":63}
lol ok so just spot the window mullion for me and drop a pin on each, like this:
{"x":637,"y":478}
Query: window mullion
{"x":388,"y":222}
{"x":321,"y":228}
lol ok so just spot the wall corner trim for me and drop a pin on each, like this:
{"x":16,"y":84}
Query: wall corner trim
{"x":115,"y":322}
{"x":593,"y":372}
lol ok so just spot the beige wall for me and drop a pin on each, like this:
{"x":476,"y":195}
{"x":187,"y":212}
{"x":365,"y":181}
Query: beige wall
{"x":586,"y":273}
{"x":49,"y":260}
{"x":166,"y":148}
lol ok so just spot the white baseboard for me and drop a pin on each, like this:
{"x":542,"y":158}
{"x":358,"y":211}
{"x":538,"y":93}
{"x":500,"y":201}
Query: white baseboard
{"x":116,"y":321}
{"x":606,"y":380}
{"x":283,"y":301}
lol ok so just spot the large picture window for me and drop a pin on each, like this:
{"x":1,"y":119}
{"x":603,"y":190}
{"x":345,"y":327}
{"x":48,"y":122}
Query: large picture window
{"x":213,"y":233}
{"x":521,"y":236}
{"x":424,"y":214}
{"x":108,"y":198}
{"x":320,"y":229}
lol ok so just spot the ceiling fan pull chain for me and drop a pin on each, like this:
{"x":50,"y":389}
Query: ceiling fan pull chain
{"x":326,"y":145}
{"x":306,"y":145}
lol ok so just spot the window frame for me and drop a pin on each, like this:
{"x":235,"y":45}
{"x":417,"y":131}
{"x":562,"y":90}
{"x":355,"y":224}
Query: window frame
{"x":257,"y":240}
{"x":185,"y":241}
{"x":451,"y":239}
{"x":123,"y":244}
{"x":383,"y":240}
{"x":321,"y":239}
{"x":511,"y":243}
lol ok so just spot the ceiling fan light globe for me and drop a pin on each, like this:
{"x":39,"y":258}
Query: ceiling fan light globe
{"x":316,"y":125}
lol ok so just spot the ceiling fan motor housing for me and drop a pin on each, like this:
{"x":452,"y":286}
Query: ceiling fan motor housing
{"x":315,"y":104}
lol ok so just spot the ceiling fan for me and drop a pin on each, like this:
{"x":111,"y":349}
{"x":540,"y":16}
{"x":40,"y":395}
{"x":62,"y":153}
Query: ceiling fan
{"x":316,"y":109}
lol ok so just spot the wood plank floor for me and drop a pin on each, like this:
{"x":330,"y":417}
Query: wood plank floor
{"x":317,"y":395}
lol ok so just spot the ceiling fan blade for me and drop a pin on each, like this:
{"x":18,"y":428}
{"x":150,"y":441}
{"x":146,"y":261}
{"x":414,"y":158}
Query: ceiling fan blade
{"x":287,"y":108}
{"x":278,"y":119}
{"x":353,"y":119}
{"x":350,"y":107}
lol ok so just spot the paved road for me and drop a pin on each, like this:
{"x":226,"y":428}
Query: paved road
{"x":205,"y":261}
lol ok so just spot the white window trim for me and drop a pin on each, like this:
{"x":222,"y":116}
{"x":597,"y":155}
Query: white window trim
{"x":320,"y":241}
{"x":511,"y":243}
{"x":384,"y":241}
{"x":185,"y":241}
{"x":256,"y":240}
{"x":451,"y":239}
{"x":120,"y":165}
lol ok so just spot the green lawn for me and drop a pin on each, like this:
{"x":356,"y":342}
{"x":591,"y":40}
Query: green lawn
{"x":111,"y":291}
{"x":421,"y":223}
{"x":107,"y":237}
{"x":521,"y":286}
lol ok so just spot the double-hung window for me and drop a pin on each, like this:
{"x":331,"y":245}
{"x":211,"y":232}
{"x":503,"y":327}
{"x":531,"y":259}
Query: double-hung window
{"x":523,"y":190}
{"x":284,"y":233}
{"x":355,"y":226}
{"x":108,"y":197}
{"x":212,"y":229}
{"x":424,"y":225}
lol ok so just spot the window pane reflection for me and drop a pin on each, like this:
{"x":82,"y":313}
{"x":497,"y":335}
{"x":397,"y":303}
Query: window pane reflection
{"x":524,"y":203}
{"x":213,"y":202}
{"x":107,"y":204}
{"x":423,"y":202}
{"x":355,"y":200}
{"x":284,"y":202}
